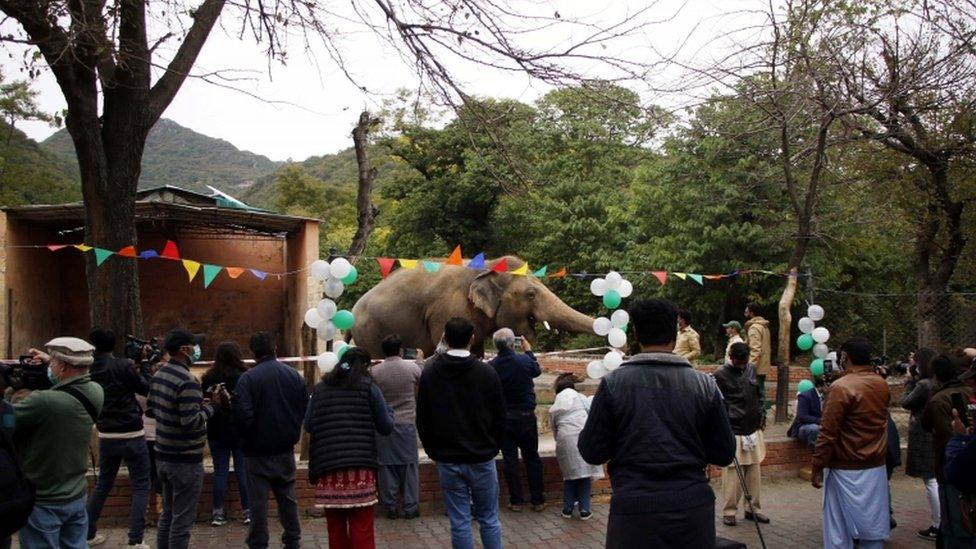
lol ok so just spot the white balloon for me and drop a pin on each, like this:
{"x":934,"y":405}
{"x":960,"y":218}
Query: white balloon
{"x":614,"y":280}
{"x":806,"y":325}
{"x":820,"y":350}
{"x":619,"y":318}
{"x":326,"y":330}
{"x":320,"y":269}
{"x":815,"y":312}
{"x":602,"y":326}
{"x":598,"y":287}
{"x":312,"y":318}
{"x":327,"y":309}
{"x":596,"y":369}
{"x":327,"y":362}
{"x":625,"y":289}
{"x":334,"y":288}
{"x":821,"y":335}
{"x":340,"y":267}
{"x":617,"y":338}
{"x":612,"y":360}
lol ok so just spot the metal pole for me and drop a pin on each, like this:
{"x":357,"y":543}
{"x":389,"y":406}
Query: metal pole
{"x":333,"y":254}
{"x":748,"y":498}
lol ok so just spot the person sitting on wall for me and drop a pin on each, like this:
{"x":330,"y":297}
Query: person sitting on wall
{"x":809,"y":410}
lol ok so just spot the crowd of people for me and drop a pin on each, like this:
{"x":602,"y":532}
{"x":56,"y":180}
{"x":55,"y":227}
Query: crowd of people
{"x":656,"y":423}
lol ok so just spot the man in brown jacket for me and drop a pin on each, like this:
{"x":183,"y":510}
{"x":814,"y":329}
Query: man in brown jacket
{"x":849,"y":460}
{"x":760,"y":344}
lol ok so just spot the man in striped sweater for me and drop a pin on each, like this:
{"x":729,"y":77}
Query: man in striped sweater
{"x":181,"y":413}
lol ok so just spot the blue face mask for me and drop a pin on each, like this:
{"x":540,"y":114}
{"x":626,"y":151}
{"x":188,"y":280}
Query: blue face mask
{"x":195,"y":357}
{"x":53,"y":378}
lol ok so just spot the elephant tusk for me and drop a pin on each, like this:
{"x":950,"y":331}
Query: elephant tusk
{"x":546,"y":324}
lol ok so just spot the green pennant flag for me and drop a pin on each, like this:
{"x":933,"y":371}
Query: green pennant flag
{"x":210,"y":272}
{"x":101,"y":254}
{"x":541,"y":273}
{"x":432,"y":266}
{"x":697,"y":278}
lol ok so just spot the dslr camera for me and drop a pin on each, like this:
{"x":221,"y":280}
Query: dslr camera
{"x":25,"y":374}
{"x":134,"y":347}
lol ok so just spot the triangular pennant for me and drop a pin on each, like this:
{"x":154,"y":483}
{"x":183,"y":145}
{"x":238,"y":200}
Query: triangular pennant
{"x":697,"y":278}
{"x":501,"y":266}
{"x":128,"y":251}
{"x":148,"y":254}
{"x":541,"y":273}
{"x":682,"y":276}
{"x":386,"y":265}
{"x":234,"y":272}
{"x":55,"y":247}
{"x":191,"y":268}
{"x":210,"y":272}
{"x":260,"y":275}
{"x":455,"y":258}
{"x":522,"y":271}
{"x":101,"y":254}
{"x":661,"y":276}
{"x":733,"y":274}
{"x":432,"y":266}
{"x":170,"y":251}
{"x":408,"y":263}
{"x":478,"y":261}
{"x":83,"y":247}
{"x":714,"y":277}
{"x":561,"y":273}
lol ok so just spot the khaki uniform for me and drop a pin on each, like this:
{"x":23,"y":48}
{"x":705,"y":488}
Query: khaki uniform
{"x":760,"y":344}
{"x":687,"y":344}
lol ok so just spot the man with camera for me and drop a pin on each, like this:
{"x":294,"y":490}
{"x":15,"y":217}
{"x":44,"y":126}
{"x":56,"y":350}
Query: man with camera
{"x":181,"y":413}
{"x":51,"y":432}
{"x":121,"y":436}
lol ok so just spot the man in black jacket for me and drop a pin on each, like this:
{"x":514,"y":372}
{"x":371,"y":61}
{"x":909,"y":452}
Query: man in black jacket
{"x":120,"y":435}
{"x":659,"y":423}
{"x":270,"y":403}
{"x":461,"y":421}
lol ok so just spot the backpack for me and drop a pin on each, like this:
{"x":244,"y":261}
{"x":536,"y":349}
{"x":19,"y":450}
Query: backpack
{"x":16,"y":492}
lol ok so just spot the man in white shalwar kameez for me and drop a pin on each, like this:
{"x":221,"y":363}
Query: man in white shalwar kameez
{"x":849,"y":460}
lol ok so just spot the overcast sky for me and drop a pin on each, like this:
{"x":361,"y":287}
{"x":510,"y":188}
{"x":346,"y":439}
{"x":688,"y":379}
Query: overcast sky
{"x":319,"y":105}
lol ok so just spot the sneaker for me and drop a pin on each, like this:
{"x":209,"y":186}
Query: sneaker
{"x":567,"y":513}
{"x":514,"y":508}
{"x":585,"y":515}
{"x":246,"y":516}
{"x":97,"y":540}
{"x":412,"y":515}
{"x":219,"y":519}
{"x":930,"y":533}
{"x":139,"y":545}
{"x":539,"y":507}
{"x":391,"y":515}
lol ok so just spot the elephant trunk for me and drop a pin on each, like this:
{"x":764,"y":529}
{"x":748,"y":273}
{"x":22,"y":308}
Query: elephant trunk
{"x":565,"y":318}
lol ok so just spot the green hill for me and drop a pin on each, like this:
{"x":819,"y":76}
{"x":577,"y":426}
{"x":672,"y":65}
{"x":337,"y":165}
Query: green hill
{"x":32,"y":174}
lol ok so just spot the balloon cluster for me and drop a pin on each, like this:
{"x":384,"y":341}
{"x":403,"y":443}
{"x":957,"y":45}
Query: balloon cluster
{"x":327,"y":361}
{"x":336,"y":275}
{"x":612,"y":289}
{"x":815,"y":337}
{"x":326,"y":318}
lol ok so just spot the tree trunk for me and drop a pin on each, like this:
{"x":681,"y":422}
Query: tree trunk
{"x":783,"y":348}
{"x":931,"y":311}
{"x":366,"y":211}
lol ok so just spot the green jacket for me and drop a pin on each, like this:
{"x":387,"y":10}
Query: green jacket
{"x":51,"y":432}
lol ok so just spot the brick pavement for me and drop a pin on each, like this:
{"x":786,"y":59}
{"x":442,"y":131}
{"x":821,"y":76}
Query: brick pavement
{"x":792,"y":504}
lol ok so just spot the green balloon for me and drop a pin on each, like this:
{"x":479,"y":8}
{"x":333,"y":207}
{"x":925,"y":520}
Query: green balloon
{"x":817,"y":367}
{"x":611,"y":299}
{"x":351,"y":277}
{"x":343,"y":320}
{"x":624,"y":327}
{"x":804,"y":386}
{"x":805,"y":342}
{"x":341,"y":349}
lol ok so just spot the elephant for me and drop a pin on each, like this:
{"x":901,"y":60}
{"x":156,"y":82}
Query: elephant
{"x":416,"y":305}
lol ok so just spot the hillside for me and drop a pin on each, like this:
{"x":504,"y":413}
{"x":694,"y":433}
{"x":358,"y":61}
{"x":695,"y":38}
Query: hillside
{"x":32,"y":174}
{"x":179,"y":156}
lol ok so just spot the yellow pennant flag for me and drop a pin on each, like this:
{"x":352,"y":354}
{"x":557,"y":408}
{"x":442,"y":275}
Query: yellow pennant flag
{"x":83,"y":247}
{"x":522,"y":271}
{"x":408,"y":263}
{"x":682,"y":276}
{"x":191,"y":268}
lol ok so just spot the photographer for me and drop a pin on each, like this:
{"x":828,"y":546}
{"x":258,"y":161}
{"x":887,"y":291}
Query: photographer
{"x":121,"y":436}
{"x":51,"y":433}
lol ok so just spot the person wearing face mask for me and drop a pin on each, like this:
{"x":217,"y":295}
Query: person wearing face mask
{"x":176,"y":402}
{"x":51,"y":433}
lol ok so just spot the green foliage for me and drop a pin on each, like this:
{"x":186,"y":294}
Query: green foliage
{"x":29,"y":174}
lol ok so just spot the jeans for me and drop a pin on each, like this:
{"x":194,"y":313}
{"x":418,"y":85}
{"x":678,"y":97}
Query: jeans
{"x":181,"y":483}
{"x":111,"y":453}
{"x":350,"y":528}
{"x":57,"y":525}
{"x":521,"y":434}
{"x":394,"y":479}
{"x":462,"y":485}
{"x":577,"y":491}
{"x":272,"y":474}
{"x":221,"y":463}
{"x":808,"y":434}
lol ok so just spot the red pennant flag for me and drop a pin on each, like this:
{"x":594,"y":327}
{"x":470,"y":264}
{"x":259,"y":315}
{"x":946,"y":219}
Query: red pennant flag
{"x":661,"y":276}
{"x":455,"y":258}
{"x":386,"y":265}
{"x":561,"y":273}
{"x":501,"y":266}
{"x":56,"y":247}
{"x":170,"y":251}
{"x":128,"y":251}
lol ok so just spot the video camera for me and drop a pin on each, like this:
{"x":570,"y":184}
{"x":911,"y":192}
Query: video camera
{"x":134,"y":347}
{"x":24,"y":374}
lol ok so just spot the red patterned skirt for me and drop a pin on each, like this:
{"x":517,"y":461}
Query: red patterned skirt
{"x":346,"y":488}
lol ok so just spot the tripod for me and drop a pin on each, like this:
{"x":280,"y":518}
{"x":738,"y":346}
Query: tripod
{"x":748,"y":498}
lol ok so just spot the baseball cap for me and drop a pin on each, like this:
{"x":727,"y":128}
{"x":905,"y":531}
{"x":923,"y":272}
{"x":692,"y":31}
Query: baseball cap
{"x":733,"y":324}
{"x":180,"y":337}
{"x":73,"y":350}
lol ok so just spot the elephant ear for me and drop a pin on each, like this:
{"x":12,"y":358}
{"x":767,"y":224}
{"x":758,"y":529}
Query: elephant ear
{"x":485,"y":293}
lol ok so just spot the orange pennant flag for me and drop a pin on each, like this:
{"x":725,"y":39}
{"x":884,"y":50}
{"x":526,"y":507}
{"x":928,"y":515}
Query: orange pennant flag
{"x":455,"y":258}
{"x":714,"y":277}
{"x":128,"y":251}
{"x":234,"y":272}
{"x":661,"y":276}
{"x":561,"y":273}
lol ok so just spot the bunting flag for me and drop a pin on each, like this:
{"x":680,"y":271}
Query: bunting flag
{"x":101,"y":254}
{"x":561,"y":273}
{"x":260,"y":275}
{"x":501,"y":266}
{"x":408,"y":263}
{"x":386,"y":265}
{"x":210,"y":272}
{"x":541,"y":273}
{"x":478,"y":261}
{"x":82,"y":247}
{"x":55,"y":247}
{"x":170,"y":251}
{"x":522,"y":271}
{"x":714,"y":277}
{"x":234,"y":272}
{"x":455,"y":258}
{"x":661,"y":276}
{"x":682,"y":276}
{"x":191,"y":268}
{"x":432,"y":266}
{"x":697,"y":278}
{"x":148,"y":254}
{"x":128,"y":251}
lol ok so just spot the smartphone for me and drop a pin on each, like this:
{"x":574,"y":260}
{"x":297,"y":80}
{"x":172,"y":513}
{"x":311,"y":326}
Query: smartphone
{"x":409,"y":353}
{"x":960,"y":406}
{"x":518,"y":342}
